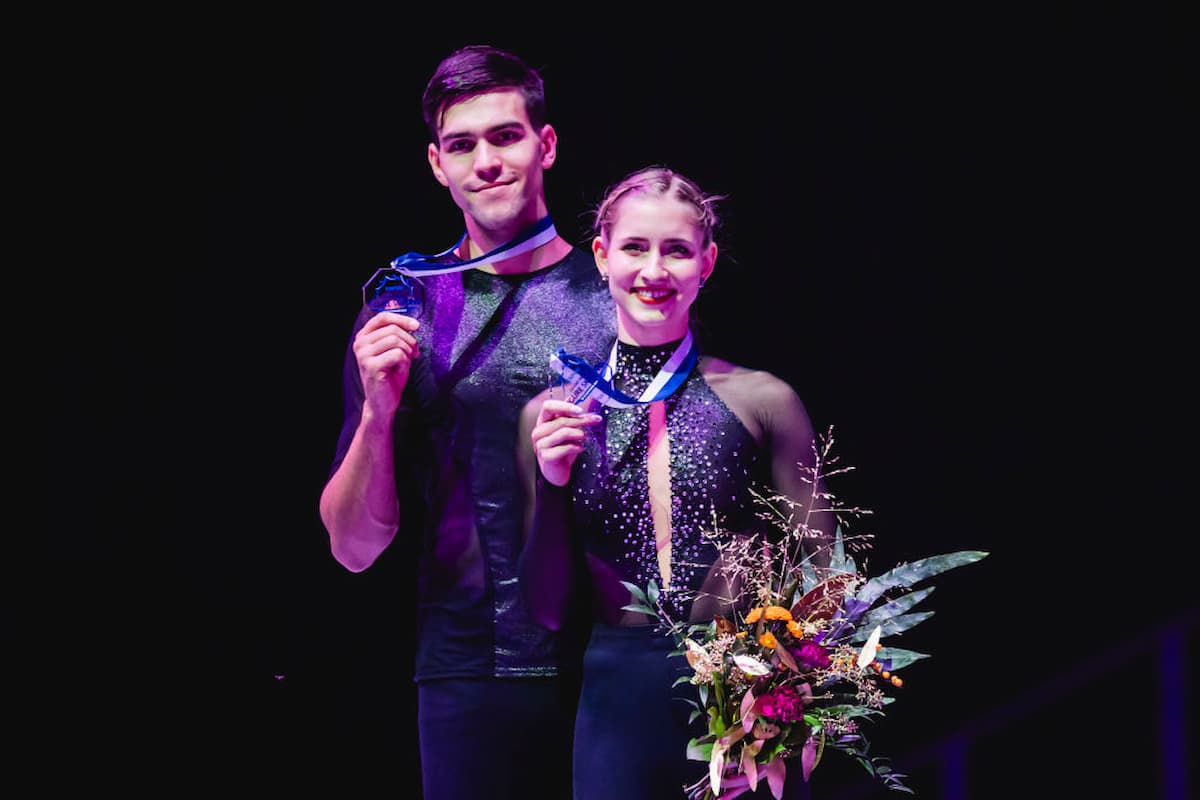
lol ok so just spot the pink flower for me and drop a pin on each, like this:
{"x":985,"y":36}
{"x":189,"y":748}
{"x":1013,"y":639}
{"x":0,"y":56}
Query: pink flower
{"x":785,"y":704}
{"x":810,"y":654}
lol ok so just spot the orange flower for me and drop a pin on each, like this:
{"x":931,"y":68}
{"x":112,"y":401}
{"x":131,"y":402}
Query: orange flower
{"x":778,"y":612}
{"x":768,"y":640}
{"x":754,"y":616}
{"x":795,"y":629}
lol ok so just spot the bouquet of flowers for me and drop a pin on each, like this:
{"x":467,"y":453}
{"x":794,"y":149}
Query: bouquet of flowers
{"x":805,"y":665}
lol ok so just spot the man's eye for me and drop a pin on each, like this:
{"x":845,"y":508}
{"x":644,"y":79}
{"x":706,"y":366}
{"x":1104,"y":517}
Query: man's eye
{"x":459,"y":146}
{"x":506,"y":137}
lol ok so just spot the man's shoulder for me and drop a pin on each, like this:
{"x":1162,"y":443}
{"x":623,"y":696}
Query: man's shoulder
{"x":579,"y":260}
{"x":576,"y":272}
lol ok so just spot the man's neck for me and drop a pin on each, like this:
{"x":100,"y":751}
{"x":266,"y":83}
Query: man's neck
{"x":480,"y":241}
{"x":547,"y":255}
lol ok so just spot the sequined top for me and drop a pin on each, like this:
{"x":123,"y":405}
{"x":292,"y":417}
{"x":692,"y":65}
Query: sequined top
{"x":456,"y":439}
{"x":713,"y":461}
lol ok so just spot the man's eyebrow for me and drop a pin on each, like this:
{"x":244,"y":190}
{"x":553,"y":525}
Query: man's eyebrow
{"x":503,"y":126}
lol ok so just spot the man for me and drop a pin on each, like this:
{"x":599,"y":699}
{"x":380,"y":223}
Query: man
{"x":426,"y":455}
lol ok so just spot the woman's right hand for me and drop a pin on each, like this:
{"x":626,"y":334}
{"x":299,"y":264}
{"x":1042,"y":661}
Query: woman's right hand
{"x":558,"y":437}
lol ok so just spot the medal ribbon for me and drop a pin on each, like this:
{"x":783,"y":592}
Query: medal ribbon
{"x":669,"y":378}
{"x":417,"y":264}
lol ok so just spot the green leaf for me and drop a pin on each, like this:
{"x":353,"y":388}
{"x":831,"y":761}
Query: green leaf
{"x":699,"y":752}
{"x":652,"y":592}
{"x":909,"y":574}
{"x":808,"y":578}
{"x":849,"y":711}
{"x":642,"y":608}
{"x":639,"y":596}
{"x":898,"y":657}
{"x":894,"y":608}
{"x":890,"y":627}
{"x":838,"y":560}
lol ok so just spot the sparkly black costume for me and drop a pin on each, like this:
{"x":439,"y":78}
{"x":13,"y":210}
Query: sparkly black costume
{"x":632,"y":726}
{"x":713,"y":461}
{"x":485,"y":342}
{"x":490,"y":704}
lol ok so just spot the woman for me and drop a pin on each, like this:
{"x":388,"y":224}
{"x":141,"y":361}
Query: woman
{"x":625,"y":490}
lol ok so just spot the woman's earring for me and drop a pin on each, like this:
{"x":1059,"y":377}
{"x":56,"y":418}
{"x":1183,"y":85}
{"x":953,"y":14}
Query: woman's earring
{"x":702,"y":283}
{"x":604,"y":277}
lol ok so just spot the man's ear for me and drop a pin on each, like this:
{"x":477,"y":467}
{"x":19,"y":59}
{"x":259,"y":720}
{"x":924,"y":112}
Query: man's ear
{"x":549,"y":139}
{"x":435,"y":163}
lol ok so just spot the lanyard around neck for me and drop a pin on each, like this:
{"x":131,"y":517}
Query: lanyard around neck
{"x":413,"y":263}
{"x":669,"y":378}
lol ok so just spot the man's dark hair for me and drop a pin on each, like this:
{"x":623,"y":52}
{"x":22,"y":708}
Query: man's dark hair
{"x":481,"y":68}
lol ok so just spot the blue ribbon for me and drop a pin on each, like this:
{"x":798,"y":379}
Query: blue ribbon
{"x":413,"y":263}
{"x":669,"y":378}
{"x":398,"y":286}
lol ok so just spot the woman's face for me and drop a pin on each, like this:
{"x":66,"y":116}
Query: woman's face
{"x":655,"y":260}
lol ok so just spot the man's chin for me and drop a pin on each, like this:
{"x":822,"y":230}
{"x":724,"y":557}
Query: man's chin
{"x":499,"y":216}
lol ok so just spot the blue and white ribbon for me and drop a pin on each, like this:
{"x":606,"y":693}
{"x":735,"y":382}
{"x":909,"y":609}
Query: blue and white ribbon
{"x":669,"y":378}
{"x":413,"y":263}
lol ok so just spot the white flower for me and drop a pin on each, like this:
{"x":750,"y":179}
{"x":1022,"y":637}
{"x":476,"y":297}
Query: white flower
{"x":751,"y":665}
{"x":867,"y":654}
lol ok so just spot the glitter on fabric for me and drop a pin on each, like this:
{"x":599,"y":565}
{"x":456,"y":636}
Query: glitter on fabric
{"x":456,"y":444}
{"x":713,"y":460}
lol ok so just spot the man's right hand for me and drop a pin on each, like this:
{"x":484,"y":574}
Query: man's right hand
{"x":385,"y":348}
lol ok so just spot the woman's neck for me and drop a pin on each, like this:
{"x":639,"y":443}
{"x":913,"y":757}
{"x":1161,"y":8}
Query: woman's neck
{"x":653,"y":337}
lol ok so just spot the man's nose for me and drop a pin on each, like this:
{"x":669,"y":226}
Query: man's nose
{"x":487,"y":158}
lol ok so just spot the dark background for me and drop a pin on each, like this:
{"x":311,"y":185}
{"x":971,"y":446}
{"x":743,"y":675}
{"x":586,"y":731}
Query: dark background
{"x":959,"y":236}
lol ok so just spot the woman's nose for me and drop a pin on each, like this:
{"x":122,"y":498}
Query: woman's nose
{"x":654,"y":265}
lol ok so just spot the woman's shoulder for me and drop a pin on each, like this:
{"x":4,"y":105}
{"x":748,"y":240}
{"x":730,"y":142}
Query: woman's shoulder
{"x":718,"y":372}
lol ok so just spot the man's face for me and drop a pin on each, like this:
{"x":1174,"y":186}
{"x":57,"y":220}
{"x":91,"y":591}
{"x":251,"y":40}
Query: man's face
{"x":491,"y":159}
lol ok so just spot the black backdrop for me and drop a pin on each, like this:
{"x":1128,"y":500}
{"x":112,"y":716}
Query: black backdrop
{"x":955,"y":235}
